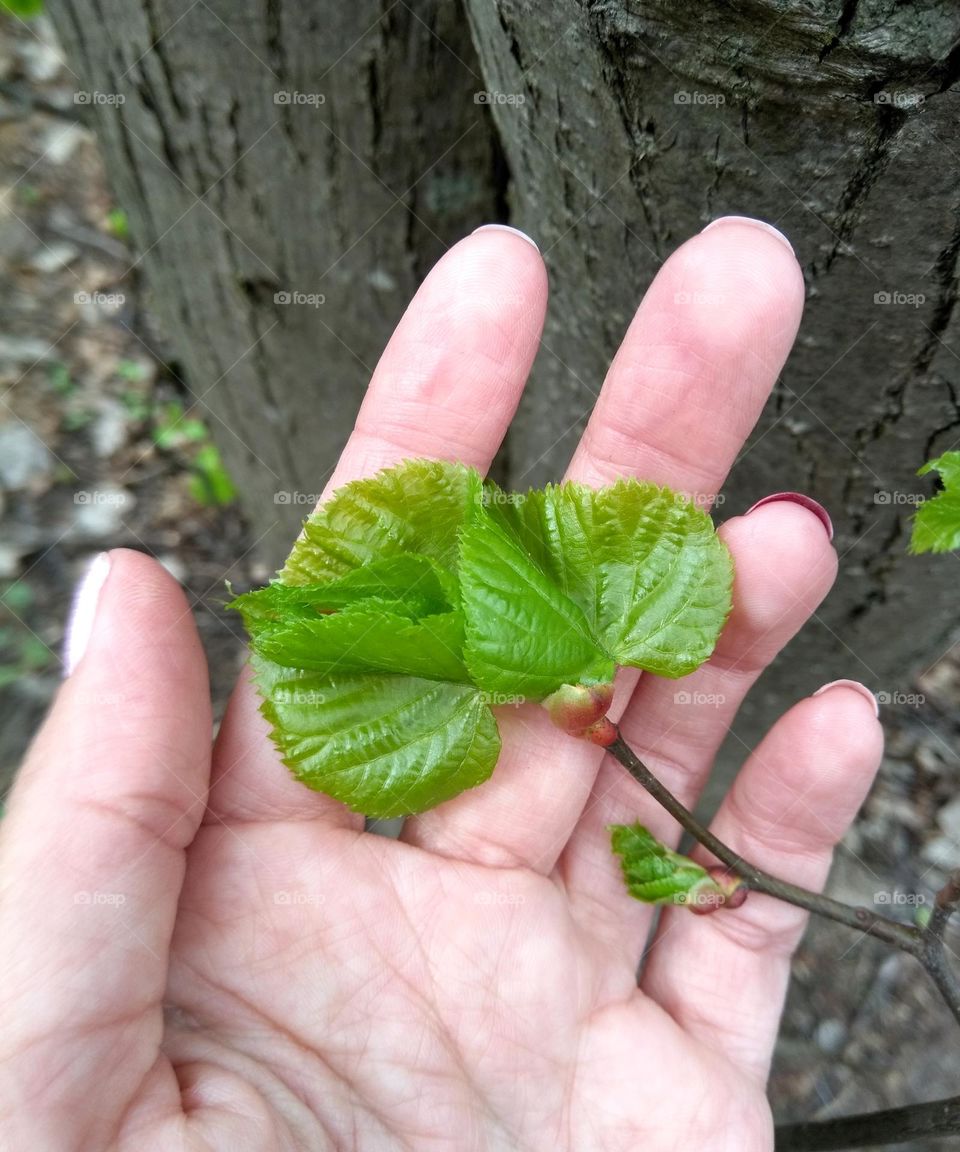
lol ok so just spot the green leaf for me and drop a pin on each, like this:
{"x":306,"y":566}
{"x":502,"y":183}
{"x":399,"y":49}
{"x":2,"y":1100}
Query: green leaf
{"x":644,"y":565}
{"x":653,"y":873}
{"x":524,"y":636}
{"x":369,"y":637}
{"x":936,"y":526}
{"x":417,"y":584}
{"x":384,"y":745}
{"x":417,"y":507}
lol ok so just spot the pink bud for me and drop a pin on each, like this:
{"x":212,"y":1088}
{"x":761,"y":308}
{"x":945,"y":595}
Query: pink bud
{"x":721,"y":889}
{"x":577,"y":707}
{"x":603,"y":732}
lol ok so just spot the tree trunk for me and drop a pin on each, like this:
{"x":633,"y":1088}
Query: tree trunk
{"x":639,"y":123}
{"x":270,"y":155}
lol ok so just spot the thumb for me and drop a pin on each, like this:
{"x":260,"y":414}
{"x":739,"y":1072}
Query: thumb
{"x":92,"y":851}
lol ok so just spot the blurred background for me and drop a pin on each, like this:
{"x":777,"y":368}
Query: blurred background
{"x":211,"y":217}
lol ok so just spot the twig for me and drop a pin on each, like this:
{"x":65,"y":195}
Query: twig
{"x":891,"y":1126}
{"x":938,"y":1118}
{"x":903,"y":936}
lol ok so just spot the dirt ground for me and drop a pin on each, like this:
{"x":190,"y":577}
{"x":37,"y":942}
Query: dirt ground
{"x":98,"y":448}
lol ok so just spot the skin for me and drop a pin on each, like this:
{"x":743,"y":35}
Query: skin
{"x":196,"y":952}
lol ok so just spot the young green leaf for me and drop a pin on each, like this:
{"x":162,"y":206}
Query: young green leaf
{"x":656,"y":875}
{"x":384,"y":745}
{"x":417,"y":507}
{"x":416,"y":584}
{"x":524,"y":636}
{"x":643,"y":564}
{"x":936,"y":526}
{"x":374,"y":636}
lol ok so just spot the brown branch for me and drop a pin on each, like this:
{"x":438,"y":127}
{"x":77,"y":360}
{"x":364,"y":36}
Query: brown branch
{"x":926,"y":944}
{"x":891,"y":1126}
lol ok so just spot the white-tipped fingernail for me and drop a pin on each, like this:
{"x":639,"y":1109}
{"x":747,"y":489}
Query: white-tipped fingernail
{"x":83,"y":612}
{"x":755,"y":223}
{"x":855,"y":686}
{"x":506,"y":228}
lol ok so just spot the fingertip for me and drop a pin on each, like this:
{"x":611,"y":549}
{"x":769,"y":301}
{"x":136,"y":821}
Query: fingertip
{"x":854,"y":687}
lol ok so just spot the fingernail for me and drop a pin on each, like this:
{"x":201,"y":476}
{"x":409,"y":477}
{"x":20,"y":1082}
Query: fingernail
{"x":754,"y":223}
{"x":804,"y":501}
{"x":83,"y":612}
{"x":506,"y":228}
{"x":856,"y":686}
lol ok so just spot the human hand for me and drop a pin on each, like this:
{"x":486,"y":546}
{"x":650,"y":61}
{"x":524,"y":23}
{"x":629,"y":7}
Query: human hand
{"x":200,"y":953}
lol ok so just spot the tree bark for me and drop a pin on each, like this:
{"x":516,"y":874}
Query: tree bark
{"x":235,"y":199}
{"x":642,"y":121}
{"x":838,"y":123}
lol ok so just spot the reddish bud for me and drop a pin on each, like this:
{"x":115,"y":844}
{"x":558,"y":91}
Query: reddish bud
{"x":603,"y":732}
{"x":576,"y":708}
{"x":721,"y":889}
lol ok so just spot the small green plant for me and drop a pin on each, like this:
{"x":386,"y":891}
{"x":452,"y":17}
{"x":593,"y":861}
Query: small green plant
{"x":173,"y":430}
{"x":117,"y":224}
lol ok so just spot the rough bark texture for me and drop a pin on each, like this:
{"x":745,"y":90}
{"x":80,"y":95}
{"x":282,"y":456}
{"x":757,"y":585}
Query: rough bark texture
{"x":234,"y":198}
{"x":621,"y":149}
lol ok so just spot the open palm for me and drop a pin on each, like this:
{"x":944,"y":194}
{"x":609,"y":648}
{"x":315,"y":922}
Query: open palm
{"x":199,"y":953}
